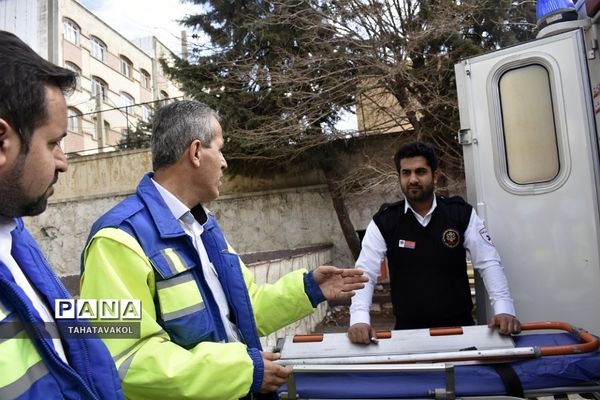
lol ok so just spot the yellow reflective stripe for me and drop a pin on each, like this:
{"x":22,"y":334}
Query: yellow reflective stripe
{"x":179,"y":293}
{"x":178,"y":280}
{"x":21,"y":385}
{"x":183,"y":312}
{"x":176,"y":263}
{"x":17,"y":356}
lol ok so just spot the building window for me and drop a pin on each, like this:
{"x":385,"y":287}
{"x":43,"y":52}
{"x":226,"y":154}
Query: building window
{"x":145,"y":79}
{"x":72,"y":32}
{"x":72,"y":67}
{"x":126,"y":66}
{"x":528,"y":121}
{"x":146,"y":112}
{"x":99,"y":88}
{"x":127,"y":103}
{"x":74,"y":120}
{"x":107,"y":130}
{"x":98,"y":49}
{"x":163,"y":97}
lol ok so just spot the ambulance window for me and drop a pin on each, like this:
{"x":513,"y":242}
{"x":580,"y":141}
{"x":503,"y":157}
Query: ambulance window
{"x":530,"y":138}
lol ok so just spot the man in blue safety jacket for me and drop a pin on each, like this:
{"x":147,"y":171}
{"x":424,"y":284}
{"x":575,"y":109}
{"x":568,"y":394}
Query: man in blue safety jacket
{"x":36,"y":361}
{"x":202,"y":312}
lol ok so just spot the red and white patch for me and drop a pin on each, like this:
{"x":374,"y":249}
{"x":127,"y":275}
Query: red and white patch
{"x":485,"y":235}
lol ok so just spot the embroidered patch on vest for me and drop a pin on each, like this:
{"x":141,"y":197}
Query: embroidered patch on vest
{"x":451,"y":238}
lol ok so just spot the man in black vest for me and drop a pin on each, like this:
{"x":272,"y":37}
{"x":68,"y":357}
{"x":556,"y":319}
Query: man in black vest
{"x":425,"y":238}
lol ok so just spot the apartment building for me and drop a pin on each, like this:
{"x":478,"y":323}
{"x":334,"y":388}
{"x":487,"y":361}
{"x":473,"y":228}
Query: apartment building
{"x":120,"y":81}
{"x":378,"y":111}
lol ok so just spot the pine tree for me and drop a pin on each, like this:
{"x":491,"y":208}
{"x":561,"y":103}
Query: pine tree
{"x":138,"y":138}
{"x":281,"y":73}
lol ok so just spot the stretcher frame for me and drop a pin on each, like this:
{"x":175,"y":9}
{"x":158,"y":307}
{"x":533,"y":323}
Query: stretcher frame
{"x":448,"y":392}
{"x":446,"y":361}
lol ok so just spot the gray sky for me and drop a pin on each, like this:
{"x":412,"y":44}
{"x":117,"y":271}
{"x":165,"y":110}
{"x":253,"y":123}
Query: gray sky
{"x":140,"y":18}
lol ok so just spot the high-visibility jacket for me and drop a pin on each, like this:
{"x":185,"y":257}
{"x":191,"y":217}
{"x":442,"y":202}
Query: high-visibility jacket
{"x":138,"y":250}
{"x":30,"y":368}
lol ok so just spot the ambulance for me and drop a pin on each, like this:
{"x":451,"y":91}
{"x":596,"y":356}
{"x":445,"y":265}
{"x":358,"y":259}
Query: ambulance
{"x":529,"y":123}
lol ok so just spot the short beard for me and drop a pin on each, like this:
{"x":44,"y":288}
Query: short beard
{"x":425,"y":194}
{"x":12,"y":201}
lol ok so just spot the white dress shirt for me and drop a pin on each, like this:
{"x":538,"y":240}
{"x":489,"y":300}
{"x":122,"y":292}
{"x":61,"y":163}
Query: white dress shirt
{"x":194,"y":229}
{"x":483,"y":254}
{"x":6,"y":227}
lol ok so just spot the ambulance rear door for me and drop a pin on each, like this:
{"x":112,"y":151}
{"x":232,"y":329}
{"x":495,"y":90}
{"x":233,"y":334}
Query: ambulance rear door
{"x":531,"y":166}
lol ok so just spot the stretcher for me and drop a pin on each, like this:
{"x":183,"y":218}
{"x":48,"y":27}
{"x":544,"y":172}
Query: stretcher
{"x":465,"y":362}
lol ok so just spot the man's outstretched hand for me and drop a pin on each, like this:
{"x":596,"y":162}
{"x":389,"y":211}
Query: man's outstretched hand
{"x":339,"y":283}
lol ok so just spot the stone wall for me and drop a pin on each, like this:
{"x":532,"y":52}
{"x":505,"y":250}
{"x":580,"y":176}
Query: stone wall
{"x":271,"y":270}
{"x":284,"y":212}
{"x":257,"y":215}
{"x":264,"y":221}
{"x":287,"y":211}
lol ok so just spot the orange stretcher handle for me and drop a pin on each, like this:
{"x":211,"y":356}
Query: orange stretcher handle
{"x":456,"y":330}
{"x":383,"y":334}
{"x":318,"y":337}
{"x":308,"y":338}
{"x":590,"y":342}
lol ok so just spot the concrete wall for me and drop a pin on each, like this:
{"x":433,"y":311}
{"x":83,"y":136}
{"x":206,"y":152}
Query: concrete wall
{"x":265,"y":221}
{"x":102,"y":175}
{"x":270,"y":271}
{"x":256,"y":214}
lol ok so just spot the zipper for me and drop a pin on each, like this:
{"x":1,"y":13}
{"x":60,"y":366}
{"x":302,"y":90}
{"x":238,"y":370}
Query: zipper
{"x":83,"y":349}
{"x":213,"y":236}
{"x":39,"y":260}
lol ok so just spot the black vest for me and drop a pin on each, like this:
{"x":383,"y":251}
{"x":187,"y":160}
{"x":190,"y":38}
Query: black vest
{"x":427,"y":265}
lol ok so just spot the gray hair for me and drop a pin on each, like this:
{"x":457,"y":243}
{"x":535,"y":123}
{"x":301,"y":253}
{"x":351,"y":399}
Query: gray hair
{"x":176,"y":126}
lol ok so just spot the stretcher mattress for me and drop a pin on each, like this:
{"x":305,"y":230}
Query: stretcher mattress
{"x":471,"y":380}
